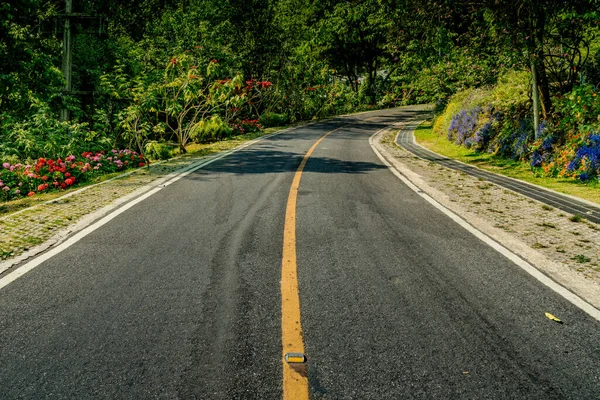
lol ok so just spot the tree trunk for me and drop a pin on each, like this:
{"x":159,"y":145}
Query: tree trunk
{"x":544,"y":86}
{"x":371,"y":84}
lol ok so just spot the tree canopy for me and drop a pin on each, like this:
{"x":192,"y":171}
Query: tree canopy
{"x":137,"y":65}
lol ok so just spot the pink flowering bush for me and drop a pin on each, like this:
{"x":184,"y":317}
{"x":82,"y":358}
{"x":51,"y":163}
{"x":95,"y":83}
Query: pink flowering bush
{"x":245,"y":126}
{"x":20,"y":180}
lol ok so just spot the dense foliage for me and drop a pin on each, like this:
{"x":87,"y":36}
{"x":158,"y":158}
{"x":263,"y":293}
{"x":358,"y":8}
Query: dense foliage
{"x":155,"y":75}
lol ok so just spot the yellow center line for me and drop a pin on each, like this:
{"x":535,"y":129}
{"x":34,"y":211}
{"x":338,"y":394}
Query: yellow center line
{"x":295,"y":382}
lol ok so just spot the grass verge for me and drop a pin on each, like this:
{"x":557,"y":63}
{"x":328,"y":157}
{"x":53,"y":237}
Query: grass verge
{"x":515,"y":169}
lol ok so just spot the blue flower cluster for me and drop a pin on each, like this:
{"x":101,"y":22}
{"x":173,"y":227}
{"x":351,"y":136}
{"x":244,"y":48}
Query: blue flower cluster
{"x":520,"y":146}
{"x":514,"y":144}
{"x":587,"y":155}
{"x":481,"y":138}
{"x":463,"y":123}
{"x":544,"y":152}
{"x":537,"y":158}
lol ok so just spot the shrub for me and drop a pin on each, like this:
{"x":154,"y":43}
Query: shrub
{"x":158,"y":151}
{"x":43,"y":135}
{"x":586,"y":163}
{"x":245,"y":126}
{"x":211,"y":129}
{"x":541,"y":150}
{"x":463,"y":124}
{"x":455,"y":104}
{"x":513,"y":139}
{"x":43,"y":175}
{"x":272,"y":119}
{"x":580,"y":106}
{"x":482,"y":137}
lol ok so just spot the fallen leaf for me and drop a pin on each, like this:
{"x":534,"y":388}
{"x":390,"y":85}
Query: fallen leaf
{"x":553,"y":318}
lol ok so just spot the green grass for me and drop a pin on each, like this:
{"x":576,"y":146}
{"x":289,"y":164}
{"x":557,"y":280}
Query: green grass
{"x":576,"y":218}
{"x":514,"y":169}
{"x":581,"y":258}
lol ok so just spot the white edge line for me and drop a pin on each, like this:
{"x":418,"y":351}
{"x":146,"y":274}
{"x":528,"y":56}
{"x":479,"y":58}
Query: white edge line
{"x":530,"y":269}
{"x":158,"y":185}
{"x":162,"y":183}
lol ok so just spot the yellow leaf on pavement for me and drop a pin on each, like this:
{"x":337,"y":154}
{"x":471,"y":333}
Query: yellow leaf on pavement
{"x":553,"y":318}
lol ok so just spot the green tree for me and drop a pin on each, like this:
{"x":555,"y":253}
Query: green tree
{"x":354,"y":38}
{"x":547,"y":37}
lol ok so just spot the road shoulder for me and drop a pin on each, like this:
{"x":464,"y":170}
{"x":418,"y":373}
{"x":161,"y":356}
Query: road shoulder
{"x":566,"y":251}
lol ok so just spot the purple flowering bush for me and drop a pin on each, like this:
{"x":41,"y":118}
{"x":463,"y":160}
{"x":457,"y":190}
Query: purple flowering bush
{"x":499,"y":120}
{"x":463,"y":124}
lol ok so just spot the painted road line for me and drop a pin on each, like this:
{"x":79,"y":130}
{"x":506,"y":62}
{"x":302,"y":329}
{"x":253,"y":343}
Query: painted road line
{"x":530,"y":269}
{"x":295,"y":382}
{"x":137,"y":197}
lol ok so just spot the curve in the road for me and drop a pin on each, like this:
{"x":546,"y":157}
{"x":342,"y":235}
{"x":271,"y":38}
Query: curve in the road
{"x":179,"y":297}
{"x":406,"y":140}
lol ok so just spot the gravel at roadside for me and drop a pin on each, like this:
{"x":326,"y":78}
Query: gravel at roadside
{"x":561,"y":245}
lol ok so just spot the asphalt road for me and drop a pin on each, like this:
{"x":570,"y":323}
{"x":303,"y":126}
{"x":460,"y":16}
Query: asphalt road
{"x":563,"y":202}
{"x":178,"y":297}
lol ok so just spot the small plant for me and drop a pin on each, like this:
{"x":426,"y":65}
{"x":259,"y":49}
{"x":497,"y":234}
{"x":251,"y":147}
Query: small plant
{"x":547,"y":207}
{"x":580,"y":258}
{"x":548,"y":225}
{"x":270,"y":119}
{"x":158,"y":151}
{"x":576,"y":218}
{"x":210,"y":129}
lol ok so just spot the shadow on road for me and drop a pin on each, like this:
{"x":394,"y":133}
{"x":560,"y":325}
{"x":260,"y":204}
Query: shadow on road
{"x":268,"y":161}
{"x":265,"y":158}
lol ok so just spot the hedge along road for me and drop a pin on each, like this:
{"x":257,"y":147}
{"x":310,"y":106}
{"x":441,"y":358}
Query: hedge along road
{"x":179,"y":296}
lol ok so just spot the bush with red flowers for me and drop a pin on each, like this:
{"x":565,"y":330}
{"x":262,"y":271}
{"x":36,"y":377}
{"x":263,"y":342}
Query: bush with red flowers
{"x":20,"y":180}
{"x":245,"y":126}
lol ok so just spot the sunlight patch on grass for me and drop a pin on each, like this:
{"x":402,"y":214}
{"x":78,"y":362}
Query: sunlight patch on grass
{"x":201,"y":149}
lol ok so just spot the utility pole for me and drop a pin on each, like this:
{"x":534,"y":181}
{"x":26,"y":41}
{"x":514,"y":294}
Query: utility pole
{"x":67,"y":56}
{"x":536,"y":99}
{"x":67,"y":20}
